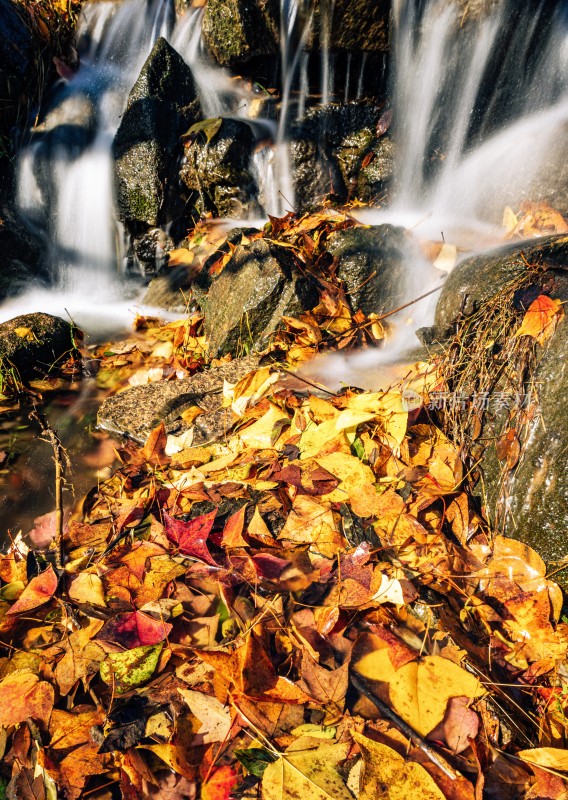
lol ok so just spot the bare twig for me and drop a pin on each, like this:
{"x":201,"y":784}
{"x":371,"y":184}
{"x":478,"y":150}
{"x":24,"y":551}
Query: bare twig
{"x":361,"y":685}
{"x":62,"y":463}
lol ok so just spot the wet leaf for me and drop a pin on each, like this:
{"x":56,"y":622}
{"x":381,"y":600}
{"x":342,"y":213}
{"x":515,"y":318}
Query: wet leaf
{"x":23,"y":696}
{"x":209,"y":127}
{"x":135,"y":630}
{"x":220,"y":784}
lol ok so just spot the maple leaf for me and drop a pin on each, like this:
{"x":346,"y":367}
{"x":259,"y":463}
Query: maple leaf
{"x":38,"y":591}
{"x":135,"y":630}
{"x":307,"y":773}
{"x":541,"y":319}
{"x":191,"y":537}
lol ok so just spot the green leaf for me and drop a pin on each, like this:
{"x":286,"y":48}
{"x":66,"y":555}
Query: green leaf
{"x":207,"y":126}
{"x":255,"y":759}
{"x":130,"y":668}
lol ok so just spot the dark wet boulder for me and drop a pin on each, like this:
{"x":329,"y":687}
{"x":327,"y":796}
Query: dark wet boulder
{"x":162,"y":105}
{"x":329,"y":148}
{"x":246,"y":302}
{"x":136,"y":411}
{"x":238,"y":30}
{"x":218,"y":172}
{"x":531,"y":502}
{"x":371,"y":266}
{"x":151,"y":250}
{"x":477,"y":279}
{"x":35,"y":344}
{"x":20,"y":256}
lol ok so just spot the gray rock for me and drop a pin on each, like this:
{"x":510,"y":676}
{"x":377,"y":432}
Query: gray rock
{"x":246,"y":302}
{"x":371,"y":266}
{"x":136,"y":411}
{"x":161,"y":106}
{"x":219,"y":172}
{"x":477,"y":279}
{"x":374,"y":180}
{"x":151,"y":249}
{"x":238,"y":30}
{"x":35,"y":344}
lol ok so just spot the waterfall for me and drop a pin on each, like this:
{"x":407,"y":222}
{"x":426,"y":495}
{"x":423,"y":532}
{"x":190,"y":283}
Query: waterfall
{"x":480,"y":114}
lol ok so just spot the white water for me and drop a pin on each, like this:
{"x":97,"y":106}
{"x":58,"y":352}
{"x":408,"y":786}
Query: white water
{"x":456,"y":168}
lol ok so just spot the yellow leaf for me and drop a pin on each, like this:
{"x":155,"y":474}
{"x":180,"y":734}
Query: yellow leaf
{"x":446,"y":258}
{"x":25,"y":333}
{"x":265,"y":431}
{"x":181,"y":257}
{"x":312,"y":522}
{"x":420,"y":690}
{"x":356,"y":486}
{"x":550,"y":757}
{"x":388,"y":776}
{"x":87,"y":588}
{"x":308,"y":774}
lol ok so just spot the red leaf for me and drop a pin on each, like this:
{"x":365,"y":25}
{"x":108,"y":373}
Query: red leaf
{"x":135,"y":629}
{"x":220,"y":784}
{"x":38,"y":591}
{"x":191,"y":537}
{"x":269,"y":566}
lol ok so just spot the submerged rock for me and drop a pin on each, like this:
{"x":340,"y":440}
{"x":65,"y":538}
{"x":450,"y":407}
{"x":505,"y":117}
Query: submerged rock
{"x":238,"y":30}
{"x":136,"y":411}
{"x":162,"y":105}
{"x":370,"y":264}
{"x":219,"y":171}
{"x":35,"y":344}
{"x":246,"y":302}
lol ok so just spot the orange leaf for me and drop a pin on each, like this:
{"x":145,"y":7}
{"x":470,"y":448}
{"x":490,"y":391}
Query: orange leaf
{"x":220,"y":784}
{"x":38,"y":591}
{"x":541,"y":319}
{"x":24,"y":696}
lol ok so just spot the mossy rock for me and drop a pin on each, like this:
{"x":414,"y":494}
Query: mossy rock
{"x":238,"y":30}
{"x":35,"y":344}
{"x":147,"y":147}
{"x":219,"y":172}
{"x":357,"y":25}
{"x":371,"y":266}
{"x":246,"y":302}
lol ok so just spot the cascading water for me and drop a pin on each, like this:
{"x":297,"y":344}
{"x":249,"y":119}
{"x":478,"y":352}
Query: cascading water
{"x":66,"y":180}
{"x":480,"y":112}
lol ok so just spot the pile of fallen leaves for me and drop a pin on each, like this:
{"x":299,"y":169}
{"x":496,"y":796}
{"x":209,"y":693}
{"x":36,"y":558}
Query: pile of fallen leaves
{"x":311,"y":608}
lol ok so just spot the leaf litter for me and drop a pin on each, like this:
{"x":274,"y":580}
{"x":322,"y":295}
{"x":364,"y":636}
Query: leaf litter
{"x":313,"y":607}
